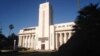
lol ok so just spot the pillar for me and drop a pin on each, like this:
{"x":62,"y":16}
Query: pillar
{"x":69,"y":35}
{"x":28,"y":41}
{"x":61,"y":39}
{"x":65,"y":38}
{"x":23,"y":44}
{"x":25,"y":41}
{"x":19,"y":42}
{"x":62,"y":34}
{"x":56,"y":38}
{"x":32,"y":42}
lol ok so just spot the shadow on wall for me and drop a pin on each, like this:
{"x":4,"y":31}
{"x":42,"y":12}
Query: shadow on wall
{"x":86,"y":39}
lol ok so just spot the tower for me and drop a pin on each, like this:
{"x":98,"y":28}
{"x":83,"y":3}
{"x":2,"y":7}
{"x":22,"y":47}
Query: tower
{"x":45,"y":20}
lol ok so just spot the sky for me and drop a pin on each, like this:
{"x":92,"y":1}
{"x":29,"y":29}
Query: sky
{"x":24,"y":13}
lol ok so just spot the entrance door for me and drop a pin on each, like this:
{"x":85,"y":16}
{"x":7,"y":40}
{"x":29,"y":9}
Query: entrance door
{"x":43,"y":46}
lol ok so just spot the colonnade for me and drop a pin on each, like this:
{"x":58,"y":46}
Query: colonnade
{"x":27,"y":41}
{"x":61,"y":38}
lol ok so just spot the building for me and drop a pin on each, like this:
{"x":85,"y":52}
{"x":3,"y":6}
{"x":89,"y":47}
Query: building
{"x":46,"y":36}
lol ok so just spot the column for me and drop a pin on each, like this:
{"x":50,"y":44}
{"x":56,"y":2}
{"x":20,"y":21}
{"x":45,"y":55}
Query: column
{"x":56,"y":38}
{"x":23,"y":44}
{"x":32,"y":41}
{"x":25,"y":38}
{"x":29,"y":43}
{"x":19,"y":42}
{"x":60,"y":39}
{"x":25,"y":41}
{"x":69,"y":35}
{"x":65,"y":38}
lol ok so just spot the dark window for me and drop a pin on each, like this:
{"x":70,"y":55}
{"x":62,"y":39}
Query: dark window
{"x":43,"y":46}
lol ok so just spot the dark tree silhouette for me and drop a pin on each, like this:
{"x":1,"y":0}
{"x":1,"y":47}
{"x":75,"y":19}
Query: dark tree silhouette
{"x":86,"y":39}
{"x":3,"y":41}
{"x":11,"y":39}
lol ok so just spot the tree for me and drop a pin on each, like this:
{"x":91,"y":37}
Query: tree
{"x":11,"y":27}
{"x":3,"y":41}
{"x":11,"y":39}
{"x":86,"y":39}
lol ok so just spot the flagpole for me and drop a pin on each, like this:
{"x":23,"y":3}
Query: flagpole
{"x":78,"y":5}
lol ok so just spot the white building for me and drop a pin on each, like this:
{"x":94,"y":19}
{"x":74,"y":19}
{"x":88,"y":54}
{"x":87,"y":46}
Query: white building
{"x":46,"y":36}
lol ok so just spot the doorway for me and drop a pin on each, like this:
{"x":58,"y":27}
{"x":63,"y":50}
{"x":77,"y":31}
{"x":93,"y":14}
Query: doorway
{"x":42,"y":46}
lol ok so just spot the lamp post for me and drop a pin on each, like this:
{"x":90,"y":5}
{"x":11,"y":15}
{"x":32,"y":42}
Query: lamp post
{"x":14,"y":44}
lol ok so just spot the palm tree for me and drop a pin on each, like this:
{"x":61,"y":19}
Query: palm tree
{"x":86,"y":39}
{"x":11,"y":27}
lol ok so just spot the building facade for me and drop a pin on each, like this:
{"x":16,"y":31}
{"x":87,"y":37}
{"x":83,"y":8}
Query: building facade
{"x":46,"y":36}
